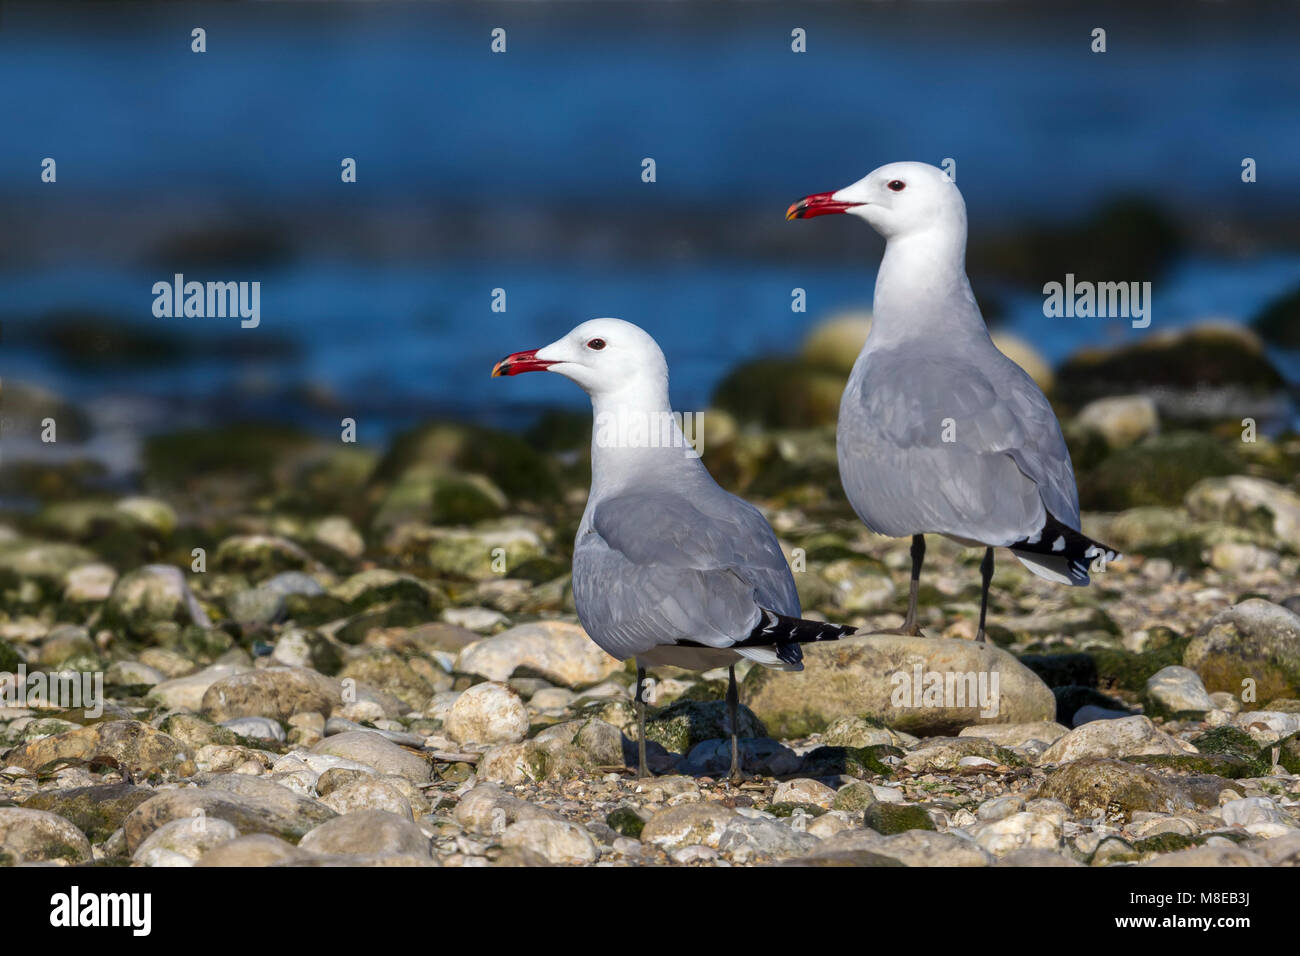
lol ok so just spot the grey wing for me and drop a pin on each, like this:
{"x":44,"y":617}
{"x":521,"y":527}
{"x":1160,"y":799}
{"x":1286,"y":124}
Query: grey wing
{"x":930,"y":443}
{"x":655,"y":569}
{"x":1041,"y":453}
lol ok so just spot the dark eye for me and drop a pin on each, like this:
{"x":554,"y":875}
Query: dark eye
{"x":596,"y":344}
{"x":897,"y":185}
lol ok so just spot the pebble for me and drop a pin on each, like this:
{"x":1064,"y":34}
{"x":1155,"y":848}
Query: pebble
{"x":256,"y":728}
{"x":1112,"y":738}
{"x":487,"y":713}
{"x":373,"y":750}
{"x":558,"y":841}
{"x":687,"y":824}
{"x":367,"y":833}
{"x":183,"y":842}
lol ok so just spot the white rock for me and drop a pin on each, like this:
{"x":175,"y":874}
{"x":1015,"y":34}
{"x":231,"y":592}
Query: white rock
{"x":182,"y":842}
{"x":487,"y":713}
{"x":1018,"y":831}
{"x":1121,"y":420}
{"x":804,"y":790}
{"x":560,"y":652}
{"x":256,"y":728}
{"x":559,"y":841}
{"x":186,"y":693}
{"x":370,"y":793}
{"x":1124,"y":737}
{"x":1179,"y":690}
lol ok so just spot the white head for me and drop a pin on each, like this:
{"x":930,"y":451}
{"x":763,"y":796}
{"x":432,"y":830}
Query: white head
{"x":607,"y":357}
{"x":899,"y":199}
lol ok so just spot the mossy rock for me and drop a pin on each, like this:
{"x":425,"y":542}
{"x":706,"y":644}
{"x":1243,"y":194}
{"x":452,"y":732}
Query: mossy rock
{"x":1254,"y":640}
{"x":850,"y":761}
{"x":200,"y":645}
{"x":705,"y":690}
{"x":890,"y":818}
{"x":1157,"y":471}
{"x":322,"y":654}
{"x":313,"y":609}
{"x":1288,"y":753}
{"x":96,"y":811}
{"x":427,"y":493}
{"x":685,"y":723}
{"x":1158,"y":532}
{"x":831,"y":547}
{"x":1232,"y":766}
{"x":395,"y":614}
{"x":1195,"y":358}
{"x":1087,"y":447}
{"x":540,"y":570}
{"x":26,"y":563}
{"x":331,"y":481}
{"x":858,"y":731}
{"x":382,"y":586}
{"x":389,"y":673}
{"x":195,"y":732}
{"x":464,"y":500}
{"x":1129,"y":670}
{"x":786,"y":809}
{"x":1164,"y":843}
{"x":1115,"y":787}
{"x":512,"y":465}
{"x":475,"y":555}
{"x":780,"y":393}
{"x":626,"y":822}
{"x":799,"y":469}
{"x":9,"y":658}
{"x":242,"y":450}
{"x":259,"y":556}
{"x":855,"y":796}
{"x":1233,"y":742}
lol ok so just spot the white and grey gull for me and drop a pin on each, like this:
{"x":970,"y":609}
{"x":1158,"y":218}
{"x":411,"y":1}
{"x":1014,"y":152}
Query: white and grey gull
{"x":939,"y":432}
{"x":668,"y":567}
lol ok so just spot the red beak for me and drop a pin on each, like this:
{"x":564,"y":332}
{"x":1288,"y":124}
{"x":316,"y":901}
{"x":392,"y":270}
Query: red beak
{"x":520,"y":362}
{"x":818,"y":204}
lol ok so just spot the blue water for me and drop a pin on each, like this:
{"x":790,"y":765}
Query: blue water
{"x":1041,"y":129}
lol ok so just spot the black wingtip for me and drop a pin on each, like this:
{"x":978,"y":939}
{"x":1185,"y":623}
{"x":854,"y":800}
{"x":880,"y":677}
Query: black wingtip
{"x":781,"y":630}
{"x":789,"y":653}
{"x":1057,"y":539}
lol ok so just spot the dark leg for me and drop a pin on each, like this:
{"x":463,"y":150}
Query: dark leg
{"x":733,"y":712}
{"x":918,"y":558}
{"x":642,"y":770}
{"x":986,"y":575}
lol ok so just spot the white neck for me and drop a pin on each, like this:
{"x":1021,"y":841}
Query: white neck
{"x":922,"y":289}
{"x":636,"y":439}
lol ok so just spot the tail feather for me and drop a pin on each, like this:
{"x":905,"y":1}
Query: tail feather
{"x":785,"y":634}
{"x":1061,"y":553}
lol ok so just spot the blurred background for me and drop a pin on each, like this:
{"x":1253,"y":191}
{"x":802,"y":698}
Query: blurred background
{"x":522,"y":171}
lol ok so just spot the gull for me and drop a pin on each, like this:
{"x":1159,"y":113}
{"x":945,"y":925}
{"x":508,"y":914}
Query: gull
{"x":939,"y":432}
{"x":668,"y":567}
